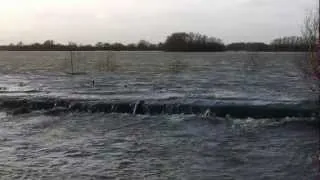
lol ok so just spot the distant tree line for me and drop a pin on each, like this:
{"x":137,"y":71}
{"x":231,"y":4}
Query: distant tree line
{"x":180,"y":41}
{"x":192,"y":42}
{"x":292,"y":43}
{"x":50,"y":45}
{"x":251,"y":46}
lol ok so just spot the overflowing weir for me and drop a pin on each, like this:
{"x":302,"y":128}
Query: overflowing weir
{"x":56,"y":106}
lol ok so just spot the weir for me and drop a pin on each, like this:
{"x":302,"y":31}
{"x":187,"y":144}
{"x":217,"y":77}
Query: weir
{"x":20,"y":106}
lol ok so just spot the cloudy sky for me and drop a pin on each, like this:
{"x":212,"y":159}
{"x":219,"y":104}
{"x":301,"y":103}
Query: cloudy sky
{"x":90,"y":21}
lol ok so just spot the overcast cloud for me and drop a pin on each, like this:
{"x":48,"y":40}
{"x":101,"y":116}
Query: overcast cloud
{"x":90,"y":21}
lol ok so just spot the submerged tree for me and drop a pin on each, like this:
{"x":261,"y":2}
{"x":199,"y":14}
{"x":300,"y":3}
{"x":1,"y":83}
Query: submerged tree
{"x":107,"y":63}
{"x":310,"y":32}
{"x":74,"y":63}
{"x":177,"y":65}
{"x":310,"y":67}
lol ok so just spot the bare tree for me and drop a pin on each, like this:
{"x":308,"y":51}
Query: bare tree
{"x":309,"y":66}
{"x":309,"y":33}
{"x":310,"y":30}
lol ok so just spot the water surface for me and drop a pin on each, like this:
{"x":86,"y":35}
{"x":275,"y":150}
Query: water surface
{"x":46,"y":143}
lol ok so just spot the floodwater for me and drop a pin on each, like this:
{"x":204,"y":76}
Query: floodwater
{"x":55,"y":125}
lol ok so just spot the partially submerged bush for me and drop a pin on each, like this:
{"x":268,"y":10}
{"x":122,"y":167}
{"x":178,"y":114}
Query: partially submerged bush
{"x":252,"y":63}
{"x":177,"y":66}
{"x":74,"y":63}
{"x":108,"y":63}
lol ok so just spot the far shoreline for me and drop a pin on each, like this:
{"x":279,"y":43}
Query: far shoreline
{"x":98,"y":50}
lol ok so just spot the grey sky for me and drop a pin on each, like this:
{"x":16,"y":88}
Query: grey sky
{"x":90,"y":21}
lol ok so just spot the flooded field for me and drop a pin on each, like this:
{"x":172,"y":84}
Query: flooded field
{"x":156,"y":115}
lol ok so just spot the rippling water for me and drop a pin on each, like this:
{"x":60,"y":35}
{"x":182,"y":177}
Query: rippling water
{"x":69,"y":144}
{"x":152,"y":75}
{"x":111,"y":146}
